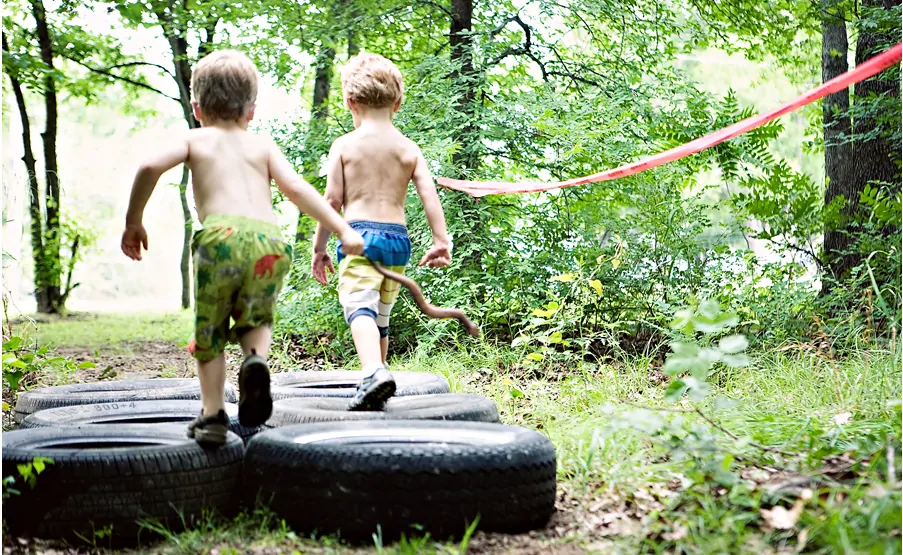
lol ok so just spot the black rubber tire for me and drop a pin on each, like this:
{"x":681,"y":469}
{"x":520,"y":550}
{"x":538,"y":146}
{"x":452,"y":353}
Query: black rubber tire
{"x":443,"y":406}
{"x":349,"y":477}
{"x":110,"y":392}
{"x":132,"y":412}
{"x":165,"y":478}
{"x":342,"y":383}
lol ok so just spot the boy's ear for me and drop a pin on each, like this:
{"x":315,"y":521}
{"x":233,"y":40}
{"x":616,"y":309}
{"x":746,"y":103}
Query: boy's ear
{"x":351,"y":105}
{"x":251,"y":112}
{"x":198,"y":115}
{"x":396,"y":107}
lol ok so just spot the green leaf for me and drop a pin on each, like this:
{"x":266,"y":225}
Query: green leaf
{"x":535,"y":356}
{"x":596,"y":285}
{"x":553,"y":306}
{"x":12,"y":344}
{"x":675,"y":391}
{"x":740,"y":360}
{"x":86,"y":364}
{"x":564,"y":278}
{"x":555,"y":337}
{"x":733,"y":344}
{"x":710,"y":309}
{"x":515,"y":392}
{"x":542,"y":313}
{"x":520,"y":340}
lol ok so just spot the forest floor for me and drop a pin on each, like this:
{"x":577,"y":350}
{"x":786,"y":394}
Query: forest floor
{"x":635,"y":474}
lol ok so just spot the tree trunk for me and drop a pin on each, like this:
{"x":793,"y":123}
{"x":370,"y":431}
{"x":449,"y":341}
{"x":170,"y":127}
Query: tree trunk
{"x":178,"y":45}
{"x":875,"y":160}
{"x":837,"y":129}
{"x":467,"y":158}
{"x":51,"y":267}
{"x":34,"y":193}
{"x":185,"y":264}
{"x":317,"y":125}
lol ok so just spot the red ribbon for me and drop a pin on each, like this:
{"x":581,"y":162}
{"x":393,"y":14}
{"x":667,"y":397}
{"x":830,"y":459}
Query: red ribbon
{"x":861,"y":72}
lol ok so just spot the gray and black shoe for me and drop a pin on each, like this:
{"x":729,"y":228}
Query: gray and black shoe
{"x":210,"y":429}
{"x":373,"y":391}
{"x":255,"y":405}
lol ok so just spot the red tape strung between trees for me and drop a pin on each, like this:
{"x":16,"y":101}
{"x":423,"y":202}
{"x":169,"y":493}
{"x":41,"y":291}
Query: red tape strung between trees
{"x":861,"y":72}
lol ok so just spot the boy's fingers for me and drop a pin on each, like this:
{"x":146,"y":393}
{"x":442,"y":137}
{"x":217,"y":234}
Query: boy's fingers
{"x":329,"y":266}
{"x":144,"y":242}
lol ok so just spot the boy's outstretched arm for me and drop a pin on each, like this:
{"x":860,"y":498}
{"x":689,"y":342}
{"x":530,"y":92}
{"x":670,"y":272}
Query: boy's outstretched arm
{"x":309,"y":201}
{"x":335,"y":196}
{"x":440,"y":253}
{"x":134,"y":237}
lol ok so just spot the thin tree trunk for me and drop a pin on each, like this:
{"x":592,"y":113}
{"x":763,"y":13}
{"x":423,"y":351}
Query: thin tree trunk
{"x":178,"y":45}
{"x":34,"y":192}
{"x":317,"y":125}
{"x":875,"y":160}
{"x":51,"y":266}
{"x":467,"y":157}
{"x":837,"y":129}
{"x":185,"y":264}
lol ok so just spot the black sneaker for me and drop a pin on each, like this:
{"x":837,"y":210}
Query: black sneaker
{"x":254,"y":402}
{"x":210,"y":429}
{"x":373,"y":391}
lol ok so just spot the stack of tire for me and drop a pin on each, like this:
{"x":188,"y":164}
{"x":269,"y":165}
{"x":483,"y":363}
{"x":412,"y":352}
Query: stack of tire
{"x":122,"y":465}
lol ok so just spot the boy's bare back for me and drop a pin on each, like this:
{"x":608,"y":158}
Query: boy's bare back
{"x":377,"y":164}
{"x":230,"y":170}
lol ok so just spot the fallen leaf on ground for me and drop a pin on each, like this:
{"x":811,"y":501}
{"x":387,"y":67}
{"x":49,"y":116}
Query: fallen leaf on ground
{"x":842,"y":418}
{"x":783,"y":519}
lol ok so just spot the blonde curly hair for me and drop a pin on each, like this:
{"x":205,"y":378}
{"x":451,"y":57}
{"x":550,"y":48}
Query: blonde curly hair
{"x":224,"y":84}
{"x":372,"y":80}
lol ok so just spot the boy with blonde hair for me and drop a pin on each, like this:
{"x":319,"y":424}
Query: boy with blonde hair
{"x":368,"y":176}
{"x":240,"y":259}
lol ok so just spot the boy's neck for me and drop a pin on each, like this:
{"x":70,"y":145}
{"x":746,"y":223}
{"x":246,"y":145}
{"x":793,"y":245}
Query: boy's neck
{"x":227,"y":125}
{"x":373,"y":117}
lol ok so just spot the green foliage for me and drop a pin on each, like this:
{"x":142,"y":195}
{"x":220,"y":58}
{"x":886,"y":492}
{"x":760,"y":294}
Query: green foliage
{"x":28,"y":474}
{"x":23,"y":363}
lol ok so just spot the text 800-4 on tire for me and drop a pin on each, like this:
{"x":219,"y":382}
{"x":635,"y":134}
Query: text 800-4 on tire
{"x":115,"y":476}
{"x":405,"y":476}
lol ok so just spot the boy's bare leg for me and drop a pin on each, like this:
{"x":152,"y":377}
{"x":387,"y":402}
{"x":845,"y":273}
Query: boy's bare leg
{"x":212,"y":375}
{"x":258,"y":339}
{"x":255,"y":404}
{"x":384,"y":349}
{"x":378,"y":384}
{"x":210,"y":428}
{"x":367,"y":342}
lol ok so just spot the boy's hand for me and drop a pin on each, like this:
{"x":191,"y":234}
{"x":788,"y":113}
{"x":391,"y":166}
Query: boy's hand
{"x":352,"y":242}
{"x":318,"y":266}
{"x":133,"y":238}
{"x":437,"y":257}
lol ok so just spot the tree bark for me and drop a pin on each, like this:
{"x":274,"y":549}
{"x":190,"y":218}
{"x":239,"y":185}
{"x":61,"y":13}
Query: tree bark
{"x":837,"y":129}
{"x":34,"y":192}
{"x":51,"y":267}
{"x":319,"y":112}
{"x":875,"y":160}
{"x":467,"y":158}
{"x":178,"y":45}
{"x":185,"y":264}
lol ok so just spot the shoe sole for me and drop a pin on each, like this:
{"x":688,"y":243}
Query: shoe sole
{"x":376,"y":398}
{"x":209,"y":436}
{"x":255,"y":405}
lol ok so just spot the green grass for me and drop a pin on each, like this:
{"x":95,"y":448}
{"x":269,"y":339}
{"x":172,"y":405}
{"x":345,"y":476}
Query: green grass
{"x":93,"y":330}
{"x":647,"y":476}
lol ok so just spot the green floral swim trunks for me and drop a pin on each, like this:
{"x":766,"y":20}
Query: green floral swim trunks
{"x":239,"y":266}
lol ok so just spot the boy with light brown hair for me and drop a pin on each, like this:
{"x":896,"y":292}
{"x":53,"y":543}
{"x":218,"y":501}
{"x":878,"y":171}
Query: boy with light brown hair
{"x":240,"y":259}
{"x":368,"y":176}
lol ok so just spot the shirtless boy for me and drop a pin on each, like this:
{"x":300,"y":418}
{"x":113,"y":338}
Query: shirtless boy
{"x":369,"y":172}
{"x":240,"y":259}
